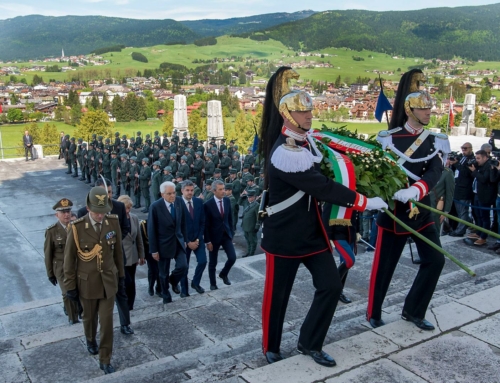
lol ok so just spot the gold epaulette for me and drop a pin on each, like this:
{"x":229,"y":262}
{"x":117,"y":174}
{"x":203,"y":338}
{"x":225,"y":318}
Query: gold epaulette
{"x":78,"y":220}
{"x":115,"y":216}
{"x":51,"y":226}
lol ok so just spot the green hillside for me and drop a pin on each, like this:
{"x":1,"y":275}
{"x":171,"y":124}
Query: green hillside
{"x":469,"y":32}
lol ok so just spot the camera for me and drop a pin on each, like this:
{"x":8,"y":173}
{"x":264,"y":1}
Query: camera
{"x":454,"y":156}
{"x":494,"y":161}
{"x":472,"y":162}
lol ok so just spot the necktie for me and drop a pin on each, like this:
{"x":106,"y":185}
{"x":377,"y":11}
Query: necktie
{"x":172,"y":210}
{"x":98,"y":228}
{"x":191,"y":211}
{"x":221,"y":209}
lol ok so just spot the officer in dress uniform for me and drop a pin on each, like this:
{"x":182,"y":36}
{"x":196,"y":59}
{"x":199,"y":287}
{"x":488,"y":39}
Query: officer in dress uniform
{"x":93,"y":265}
{"x":293,"y":233}
{"x":53,"y":248}
{"x":417,"y":150}
{"x":249,"y":223}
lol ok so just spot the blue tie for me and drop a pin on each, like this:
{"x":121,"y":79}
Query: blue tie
{"x":172,"y":211}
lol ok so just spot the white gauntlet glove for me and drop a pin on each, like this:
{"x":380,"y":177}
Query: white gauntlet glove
{"x":375,"y":203}
{"x":404,"y":195}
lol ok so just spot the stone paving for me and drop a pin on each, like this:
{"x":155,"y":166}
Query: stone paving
{"x":215,"y":337}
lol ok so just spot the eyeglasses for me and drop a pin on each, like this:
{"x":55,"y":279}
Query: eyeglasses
{"x":466,"y":147}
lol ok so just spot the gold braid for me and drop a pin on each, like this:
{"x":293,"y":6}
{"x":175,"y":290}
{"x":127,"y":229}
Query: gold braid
{"x":89,"y":255}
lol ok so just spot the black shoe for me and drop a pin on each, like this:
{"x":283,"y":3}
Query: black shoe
{"x":88,"y":182}
{"x":198,"y":288}
{"x":126,"y":330}
{"x":66,"y":172}
{"x":344,"y":299}
{"x":167,"y":300}
{"x":494,"y":247}
{"x":273,"y":357}
{"x":144,"y":210}
{"x":151,"y":292}
{"x":158,"y":293}
{"x":81,"y":179}
{"x":214,"y":287}
{"x":225,"y":279}
{"x":453,"y":234}
{"x":71,"y":322}
{"x":246,"y":255}
{"x":319,"y":357}
{"x":185,"y":295}
{"x":107,"y":368}
{"x":74,"y":175}
{"x":376,"y":322}
{"x":175,"y":288}
{"x":422,"y":324}
{"x":92,"y":348}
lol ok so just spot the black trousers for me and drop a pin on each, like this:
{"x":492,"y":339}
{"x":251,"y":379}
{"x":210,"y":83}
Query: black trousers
{"x":387,"y":253}
{"x":121,"y":300}
{"x":28,"y":149}
{"x":227,"y":245}
{"x":130,"y":284}
{"x":280,"y":275}
{"x":153,"y":273}
{"x":177,"y":273}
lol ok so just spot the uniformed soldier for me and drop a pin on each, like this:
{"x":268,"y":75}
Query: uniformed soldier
{"x":122,"y":171}
{"x":195,"y":142}
{"x":91,"y":163}
{"x":222,"y":145}
{"x":85,"y":166}
{"x":215,"y":156}
{"x":183,"y":167}
{"x":135,"y":189}
{"x":236,"y":163}
{"x":67,"y":143}
{"x":144,"y":183}
{"x":156,"y":138}
{"x":132,"y":144}
{"x":93,"y":267}
{"x":174,"y":165}
{"x":148,"y":140}
{"x":249,"y":160}
{"x":117,"y":142}
{"x":94,"y":141}
{"x":209,"y":167}
{"x":140,"y":155}
{"x":249,"y":223}
{"x":124,"y":141}
{"x":156,"y":181}
{"x":225,"y":164}
{"x":165,"y":140}
{"x":250,"y":185}
{"x":174,"y":147}
{"x":162,"y":160}
{"x":196,"y":190}
{"x":260,"y":181}
{"x":189,"y":157}
{"x":115,"y":176}
{"x":55,"y":241}
{"x":138,"y":140}
{"x":167,"y":175}
{"x":179,"y":177}
{"x":98,"y":163}
{"x":72,"y":158}
{"x":207,"y":192}
{"x":228,"y":188}
{"x":100,"y":144}
{"x":197,"y":168}
{"x":218,"y":175}
{"x":185,"y":140}
{"x":106,"y":163}
{"x":79,"y":156}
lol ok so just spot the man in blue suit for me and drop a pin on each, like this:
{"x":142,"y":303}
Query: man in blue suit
{"x":166,"y":232}
{"x":195,"y":222}
{"x":219,"y":232}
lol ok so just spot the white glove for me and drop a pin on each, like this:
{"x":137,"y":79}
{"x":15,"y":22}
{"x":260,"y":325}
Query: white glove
{"x":375,"y":203}
{"x":404,"y":195}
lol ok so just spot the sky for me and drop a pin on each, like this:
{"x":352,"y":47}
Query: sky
{"x":206,"y":9}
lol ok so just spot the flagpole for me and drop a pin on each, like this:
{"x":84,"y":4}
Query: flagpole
{"x":449,"y":109}
{"x":382,"y":91}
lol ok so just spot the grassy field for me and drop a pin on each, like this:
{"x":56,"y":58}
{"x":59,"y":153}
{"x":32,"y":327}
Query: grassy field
{"x":12,"y":134}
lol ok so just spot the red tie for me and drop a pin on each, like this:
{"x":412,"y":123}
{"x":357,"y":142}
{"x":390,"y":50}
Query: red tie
{"x":221,"y":209}
{"x":191,"y":211}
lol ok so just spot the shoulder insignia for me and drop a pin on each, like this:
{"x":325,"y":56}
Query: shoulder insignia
{"x":291,"y":158}
{"x":78,"y":220}
{"x":115,"y":216}
{"x":52,"y":226}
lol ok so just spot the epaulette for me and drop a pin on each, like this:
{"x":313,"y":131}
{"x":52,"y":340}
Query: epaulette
{"x":78,"y":220}
{"x":51,"y":226}
{"x":115,"y":216}
{"x":291,"y":158}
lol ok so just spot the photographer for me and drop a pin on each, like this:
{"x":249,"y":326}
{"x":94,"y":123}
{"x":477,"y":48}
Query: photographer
{"x":485,"y":193}
{"x":495,"y":178}
{"x":463,"y":186}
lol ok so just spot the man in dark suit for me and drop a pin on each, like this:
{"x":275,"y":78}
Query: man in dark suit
{"x":121,"y":299}
{"x":195,"y":224}
{"x":28,"y":144}
{"x":219,"y":232}
{"x":166,"y":232}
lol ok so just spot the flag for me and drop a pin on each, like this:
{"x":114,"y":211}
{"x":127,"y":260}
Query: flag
{"x":383,"y":104}
{"x":1,"y":111}
{"x":255,"y":145}
{"x":452,"y":116}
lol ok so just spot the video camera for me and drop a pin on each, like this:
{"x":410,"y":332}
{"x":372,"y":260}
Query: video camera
{"x":454,"y":156}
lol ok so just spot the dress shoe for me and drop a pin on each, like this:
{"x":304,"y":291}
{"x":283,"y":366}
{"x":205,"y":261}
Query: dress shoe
{"x":74,"y":175}
{"x":144,"y":210}
{"x":273,"y":357}
{"x":494,"y":247}
{"x":473,"y":236}
{"x":107,"y":368}
{"x":175,"y":288}
{"x":422,"y":324}
{"x":225,"y":279}
{"x":167,"y":300}
{"x":454,"y":234}
{"x":376,"y":322}
{"x":92,"y":348}
{"x":126,"y":330}
{"x":246,"y":255}
{"x":71,"y":322}
{"x":344,"y":299}
{"x":68,"y":172}
{"x":480,"y":242}
{"x":319,"y":357}
{"x":185,"y":295}
{"x":214,"y":287}
{"x":469,"y":241}
{"x":198,"y":288}
{"x":158,"y":293}
{"x":151,"y":292}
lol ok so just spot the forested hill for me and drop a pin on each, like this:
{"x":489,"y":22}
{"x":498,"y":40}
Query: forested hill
{"x":209,"y":27}
{"x":35,"y":36}
{"x":469,"y":32}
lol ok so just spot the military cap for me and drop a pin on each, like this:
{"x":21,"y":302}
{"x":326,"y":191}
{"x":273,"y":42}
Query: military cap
{"x":113,"y":152}
{"x":84,"y":144}
{"x":184,"y":134}
{"x":224,"y":152}
{"x":195,"y":135}
{"x":187,"y":150}
{"x":145,"y":159}
{"x":80,"y":140}
{"x":232,"y":142}
{"x":198,"y":153}
{"x":208,"y":155}
{"x":124,"y":137}
{"x":179,"y":175}
{"x":173,"y":155}
{"x":156,"y":144}
{"x":250,"y":149}
{"x":97,"y":147}
{"x":217,"y":171}
{"x":248,"y":178}
{"x":66,"y":136}
{"x":156,"y":132}
{"x":91,"y":143}
{"x":148,"y":135}
{"x":163,"y":152}
{"x":228,"y":186}
{"x":117,"y":134}
{"x":72,"y":139}
{"x":98,"y":201}
{"x":132,"y":139}
{"x":100,"y":138}
{"x":261,"y":171}
{"x":94,"y":135}
{"x":233,"y":171}
{"x":209,"y":181}
{"x":244,"y":166}
{"x":184,"y":158}
{"x":214,"y":149}
{"x":223,"y":139}
{"x":236,"y":154}
{"x":212,"y":138}
{"x":169,"y":168}
{"x":133,"y":158}
{"x":251,"y":193}
{"x":140,"y":147}
{"x":157,"y":163}
{"x":123,"y":155}
{"x":175,"y":130}
{"x":107,"y":140}
{"x":106,"y":147}
{"x":138,"y":133}
{"x":192,"y":179}
{"x":164,"y":134}
{"x":235,"y":147}
{"x":63,"y":205}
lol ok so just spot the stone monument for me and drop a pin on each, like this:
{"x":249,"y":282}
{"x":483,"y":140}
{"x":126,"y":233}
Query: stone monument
{"x":467,"y":124}
{"x":215,"y":127}
{"x":180,"y":114}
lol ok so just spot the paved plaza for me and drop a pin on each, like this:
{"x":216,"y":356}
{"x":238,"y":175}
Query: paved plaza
{"x":216,"y":336}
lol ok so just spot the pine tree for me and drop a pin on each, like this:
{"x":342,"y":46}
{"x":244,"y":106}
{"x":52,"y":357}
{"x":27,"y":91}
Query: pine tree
{"x":130,"y":107}
{"x":106,"y":105}
{"x":94,"y":102}
{"x":118,"y":109}
{"x":140,"y":109}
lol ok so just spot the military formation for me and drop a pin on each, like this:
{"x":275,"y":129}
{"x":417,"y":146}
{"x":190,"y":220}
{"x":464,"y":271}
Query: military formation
{"x":138,"y":166}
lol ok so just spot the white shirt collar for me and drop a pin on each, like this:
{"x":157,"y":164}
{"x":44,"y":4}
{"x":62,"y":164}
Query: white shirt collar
{"x":217,"y":199}
{"x":301,"y":137}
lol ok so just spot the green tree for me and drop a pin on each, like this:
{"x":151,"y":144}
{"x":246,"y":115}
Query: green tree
{"x":94,"y":102}
{"x":75,"y":115}
{"x":14,"y":100}
{"x":37,"y":79}
{"x":15,"y":115}
{"x":49,"y":138}
{"x":33,"y":130}
{"x":118,"y":109}
{"x":485,"y":94}
{"x":130,"y":107}
{"x":106,"y":105}
{"x":197,"y":124}
{"x":94,"y":122}
{"x":168,"y":124}
{"x":140,"y":110}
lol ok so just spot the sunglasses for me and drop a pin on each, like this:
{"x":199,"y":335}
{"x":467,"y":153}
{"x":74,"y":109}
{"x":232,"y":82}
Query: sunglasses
{"x":466,"y":147}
